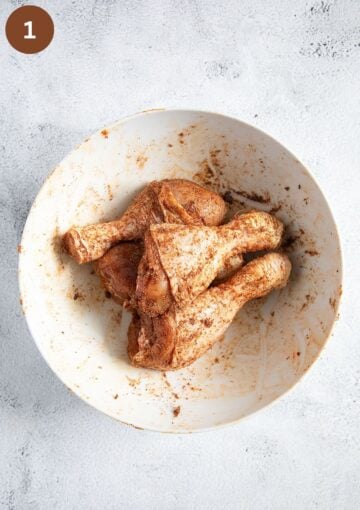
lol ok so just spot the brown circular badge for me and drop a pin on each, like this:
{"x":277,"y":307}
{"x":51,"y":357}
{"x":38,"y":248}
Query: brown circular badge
{"x":29,"y":29}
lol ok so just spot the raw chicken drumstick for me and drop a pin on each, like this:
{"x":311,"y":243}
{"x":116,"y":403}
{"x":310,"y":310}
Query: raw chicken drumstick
{"x":171,"y":201}
{"x":117,"y":270}
{"x":181,"y":261}
{"x":180,"y":336}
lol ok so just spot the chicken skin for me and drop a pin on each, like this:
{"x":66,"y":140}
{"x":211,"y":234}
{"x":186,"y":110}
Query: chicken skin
{"x":117,"y":270}
{"x":181,"y":261}
{"x":181,"y":335}
{"x":172,"y":201}
{"x":230,"y":266}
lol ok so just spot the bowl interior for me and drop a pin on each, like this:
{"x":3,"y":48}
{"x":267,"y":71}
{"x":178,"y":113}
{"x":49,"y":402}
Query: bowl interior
{"x":83,"y":335}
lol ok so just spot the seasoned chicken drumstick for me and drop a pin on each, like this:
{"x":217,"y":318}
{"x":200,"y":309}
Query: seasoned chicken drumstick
{"x":171,"y":200}
{"x":181,"y":261}
{"x":180,"y":336}
{"x":117,"y":270}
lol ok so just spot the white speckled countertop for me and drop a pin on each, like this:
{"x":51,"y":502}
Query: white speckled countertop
{"x":291,"y":68}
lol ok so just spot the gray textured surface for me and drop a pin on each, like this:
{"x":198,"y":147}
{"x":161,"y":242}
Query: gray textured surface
{"x":291,"y":68}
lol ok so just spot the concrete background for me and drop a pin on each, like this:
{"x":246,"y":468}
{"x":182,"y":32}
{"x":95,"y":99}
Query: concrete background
{"x":291,"y":68}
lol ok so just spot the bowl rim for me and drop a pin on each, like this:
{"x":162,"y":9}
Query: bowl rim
{"x":155,"y":111}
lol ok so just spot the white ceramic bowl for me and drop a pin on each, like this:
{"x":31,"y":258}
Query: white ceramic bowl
{"x":82,"y":334}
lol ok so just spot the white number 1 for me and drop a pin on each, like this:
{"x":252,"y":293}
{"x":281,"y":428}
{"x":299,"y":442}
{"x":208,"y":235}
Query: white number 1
{"x":29,"y":34}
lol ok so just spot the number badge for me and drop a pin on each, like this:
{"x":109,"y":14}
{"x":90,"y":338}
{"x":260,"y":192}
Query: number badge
{"x":29,"y":29}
